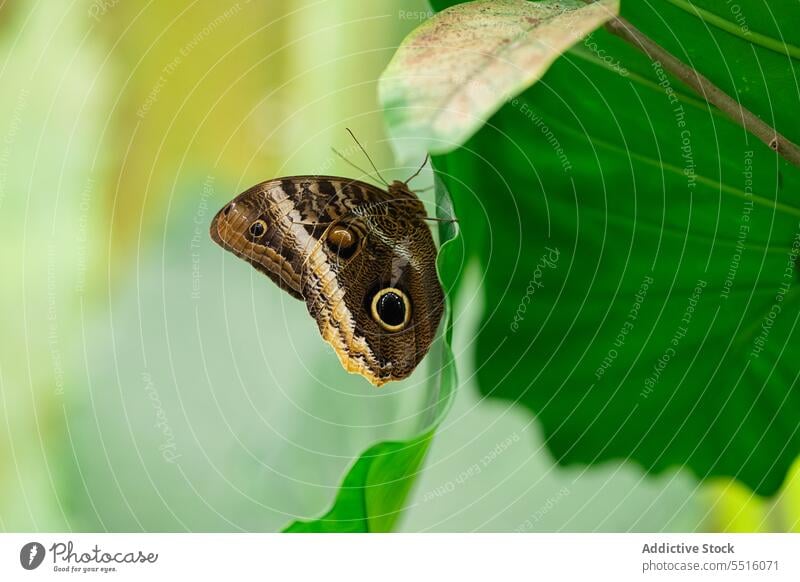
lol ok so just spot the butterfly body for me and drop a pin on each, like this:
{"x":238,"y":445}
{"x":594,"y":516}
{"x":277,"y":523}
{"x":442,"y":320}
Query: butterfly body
{"x":361,"y":258}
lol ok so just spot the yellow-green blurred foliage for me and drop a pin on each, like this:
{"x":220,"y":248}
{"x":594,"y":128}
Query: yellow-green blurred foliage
{"x":115,"y":113}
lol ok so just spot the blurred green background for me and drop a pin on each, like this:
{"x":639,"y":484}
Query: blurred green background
{"x":150,"y":382}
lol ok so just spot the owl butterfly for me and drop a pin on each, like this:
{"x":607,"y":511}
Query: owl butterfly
{"x":361,"y":258}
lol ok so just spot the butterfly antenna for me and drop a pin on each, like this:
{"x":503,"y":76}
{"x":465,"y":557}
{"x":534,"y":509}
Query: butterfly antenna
{"x":367,"y":156}
{"x":338,"y":153}
{"x":415,"y":174}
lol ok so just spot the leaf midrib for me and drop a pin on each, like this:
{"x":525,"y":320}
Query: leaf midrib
{"x":762,"y":40}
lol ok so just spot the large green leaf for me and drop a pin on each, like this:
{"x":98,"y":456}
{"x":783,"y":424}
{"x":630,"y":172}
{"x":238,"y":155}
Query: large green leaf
{"x":638,"y":248}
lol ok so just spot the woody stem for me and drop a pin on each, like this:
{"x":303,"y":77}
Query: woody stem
{"x":704,"y":87}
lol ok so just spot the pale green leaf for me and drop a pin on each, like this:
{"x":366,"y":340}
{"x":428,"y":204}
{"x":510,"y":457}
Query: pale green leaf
{"x":458,"y":68}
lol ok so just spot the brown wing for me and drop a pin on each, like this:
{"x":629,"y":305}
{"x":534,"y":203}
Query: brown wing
{"x":335,"y":242}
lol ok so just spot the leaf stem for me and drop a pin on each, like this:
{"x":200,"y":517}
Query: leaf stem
{"x":704,"y":87}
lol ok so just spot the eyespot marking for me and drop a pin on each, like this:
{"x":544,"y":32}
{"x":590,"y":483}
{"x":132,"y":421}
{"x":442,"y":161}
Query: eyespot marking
{"x":257,"y":229}
{"x":343,"y":240}
{"x":391,"y":309}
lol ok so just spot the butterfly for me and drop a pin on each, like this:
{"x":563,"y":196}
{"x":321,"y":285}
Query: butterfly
{"x":361,"y":258}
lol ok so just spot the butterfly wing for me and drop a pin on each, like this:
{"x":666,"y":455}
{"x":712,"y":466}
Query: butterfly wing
{"x":354,"y":253}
